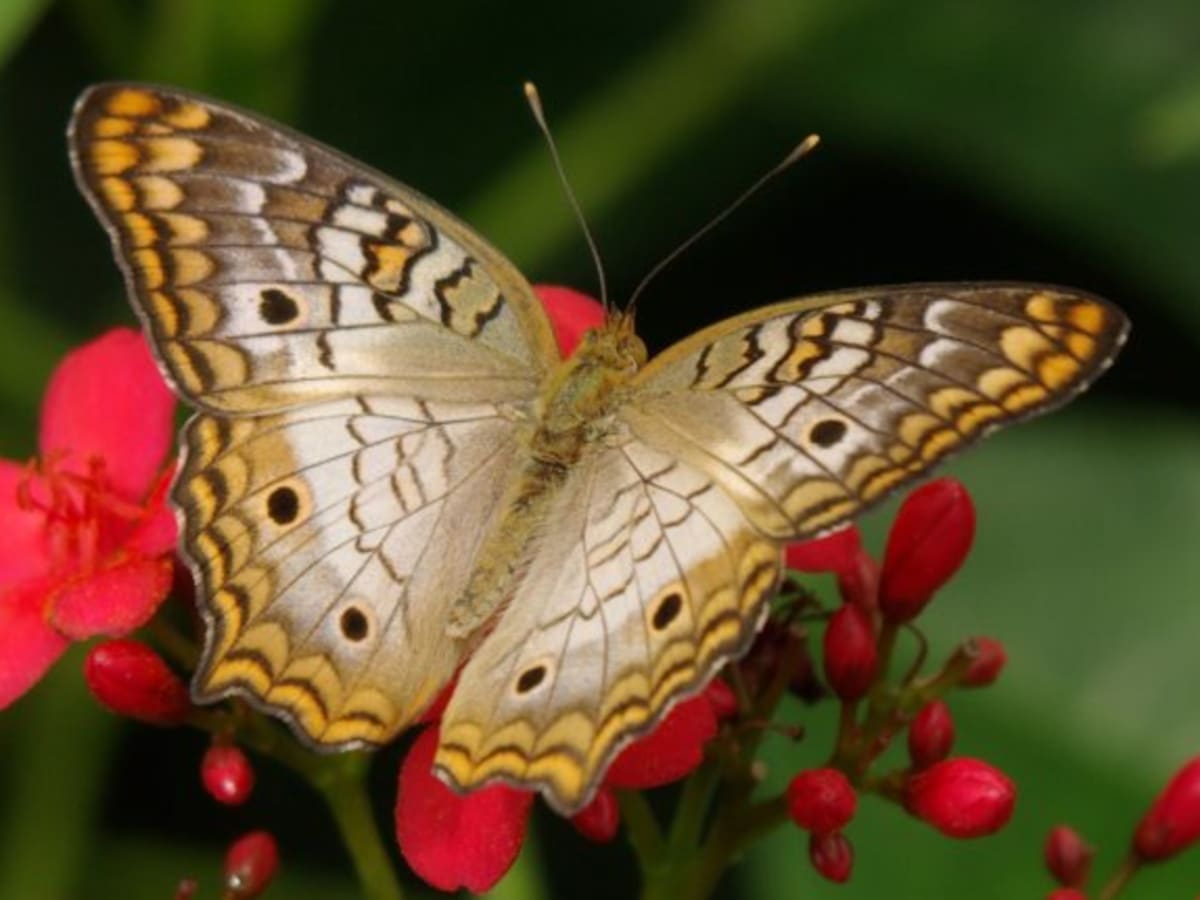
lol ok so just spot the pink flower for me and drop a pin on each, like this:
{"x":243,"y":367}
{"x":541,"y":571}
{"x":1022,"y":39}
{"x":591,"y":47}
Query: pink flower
{"x":87,"y":534}
{"x":987,"y":664}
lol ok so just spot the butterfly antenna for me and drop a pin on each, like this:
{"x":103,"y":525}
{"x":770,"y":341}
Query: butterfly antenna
{"x":798,"y":152}
{"x":539,"y":116}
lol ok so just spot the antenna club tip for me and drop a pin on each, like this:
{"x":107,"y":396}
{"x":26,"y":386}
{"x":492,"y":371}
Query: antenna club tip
{"x":530,"y":90}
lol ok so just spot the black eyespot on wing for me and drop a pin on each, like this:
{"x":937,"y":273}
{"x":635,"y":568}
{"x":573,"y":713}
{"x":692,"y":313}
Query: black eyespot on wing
{"x":668,"y":609}
{"x":530,"y":679}
{"x":827,"y":432}
{"x":354,"y":624}
{"x":283,"y":505}
{"x":277,"y":308}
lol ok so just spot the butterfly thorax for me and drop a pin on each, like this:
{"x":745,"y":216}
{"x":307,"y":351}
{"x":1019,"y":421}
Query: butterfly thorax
{"x":572,"y":414}
{"x":578,"y":396}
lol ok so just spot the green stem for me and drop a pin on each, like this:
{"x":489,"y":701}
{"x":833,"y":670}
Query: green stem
{"x":345,"y":791}
{"x":1120,"y":879}
{"x":644,"y":833}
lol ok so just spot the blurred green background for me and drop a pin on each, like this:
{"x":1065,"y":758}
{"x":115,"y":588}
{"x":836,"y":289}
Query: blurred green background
{"x":1051,"y":142}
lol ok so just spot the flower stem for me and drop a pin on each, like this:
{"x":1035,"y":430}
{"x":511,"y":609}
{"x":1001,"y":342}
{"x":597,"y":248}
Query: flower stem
{"x":1120,"y":879}
{"x":645,"y":834}
{"x":344,"y":788}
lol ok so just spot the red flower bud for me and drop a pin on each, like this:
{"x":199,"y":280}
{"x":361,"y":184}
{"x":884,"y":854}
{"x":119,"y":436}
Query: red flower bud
{"x":931,"y":735}
{"x":850,"y":654}
{"x":821,"y":800}
{"x":600,"y":819}
{"x":722,"y":698}
{"x":988,"y":662}
{"x":831,"y":855}
{"x":1066,"y":893}
{"x":927,"y":543}
{"x":858,"y":583}
{"x":961,"y":797}
{"x":132,"y":680}
{"x":1068,"y":857}
{"x":835,"y":552}
{"x":227,"y":774}
{"x":1173,"y":820}
{"x":250,"y":865}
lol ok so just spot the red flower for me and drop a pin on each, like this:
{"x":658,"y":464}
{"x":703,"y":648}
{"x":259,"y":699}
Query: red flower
{"x":87,"y":534}
{"x":961,"y":797}
{"x":851,"y":658}
{"x":250,"y":864}
{"x":571,"y":314}
{"x":832,"y":855}
{"x":835,"y":552}
{"x":132,"y":680}
{"x":1068,"y":857}
{"x":821,"y":800}
{"x":1173,"y":820}
{"x":1066,"y":893}
{"x":931,"y":735}
{"x":926,"y":545}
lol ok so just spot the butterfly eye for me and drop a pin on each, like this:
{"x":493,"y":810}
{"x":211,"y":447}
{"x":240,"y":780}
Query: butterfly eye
{"x":667,"y":610}
{"x":827,"y":432}
{"x":277,"y":308}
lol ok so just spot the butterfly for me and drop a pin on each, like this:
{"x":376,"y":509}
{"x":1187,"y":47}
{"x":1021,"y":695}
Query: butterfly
{"x":392,"y":478}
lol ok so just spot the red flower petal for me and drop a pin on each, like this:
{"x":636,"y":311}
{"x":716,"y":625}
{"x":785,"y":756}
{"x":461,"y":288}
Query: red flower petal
{"x":113,"y":601}
{"x":835,"y":552}
{"x":927,"y":544}
{"x":571,"y":313}
{"x":670,"y":752}
{"x":158,"y":533}
{"x":451,"y":840}
{"x":28,"y":645}
{"x":132,"y":680}
{"x":23,"y":551}
{"x":600,"y":820}
{"x":107,"y":400}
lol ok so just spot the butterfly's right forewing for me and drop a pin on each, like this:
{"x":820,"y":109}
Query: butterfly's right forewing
{"x":808,"y":412}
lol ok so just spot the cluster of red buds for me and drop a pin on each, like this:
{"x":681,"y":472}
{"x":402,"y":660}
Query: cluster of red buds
{"x":1170,"y":825}
{"x":962,"y":797}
